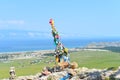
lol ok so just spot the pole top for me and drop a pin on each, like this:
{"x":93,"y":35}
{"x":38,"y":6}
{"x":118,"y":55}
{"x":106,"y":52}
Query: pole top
{"x":51,"y":22}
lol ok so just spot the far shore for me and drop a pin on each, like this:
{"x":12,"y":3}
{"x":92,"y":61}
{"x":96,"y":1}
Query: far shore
{"x":16,"y":52}
{"x":50,"y":51}
{"x":95,"y":46}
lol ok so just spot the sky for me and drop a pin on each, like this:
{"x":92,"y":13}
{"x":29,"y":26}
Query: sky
{"x":24,"y":19}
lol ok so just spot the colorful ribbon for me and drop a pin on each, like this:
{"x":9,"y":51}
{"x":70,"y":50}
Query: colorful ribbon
{"x":60,"y":52}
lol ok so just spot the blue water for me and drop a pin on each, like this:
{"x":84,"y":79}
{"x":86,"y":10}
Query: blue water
{"x":33,"y":45}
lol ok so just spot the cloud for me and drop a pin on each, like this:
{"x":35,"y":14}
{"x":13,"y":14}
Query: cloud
{"x":14,"y":22}
{"x":13,"y":34}
{"x":31,"y":34}
{"x":38,"y":35}
{"x":68,"y":35}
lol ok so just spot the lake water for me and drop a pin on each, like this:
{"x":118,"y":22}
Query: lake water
{"x":31,"y":45}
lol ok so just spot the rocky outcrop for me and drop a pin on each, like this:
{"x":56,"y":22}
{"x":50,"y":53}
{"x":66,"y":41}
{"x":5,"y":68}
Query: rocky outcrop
{"x":77,"y":74}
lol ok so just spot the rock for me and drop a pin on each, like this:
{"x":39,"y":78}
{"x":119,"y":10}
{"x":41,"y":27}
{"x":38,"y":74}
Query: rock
{"x":117,"y":74}
{"x":83,"y":69}
{"x":82,"y":76}
{"x":94,"y":76}
{"x":77,"y":74}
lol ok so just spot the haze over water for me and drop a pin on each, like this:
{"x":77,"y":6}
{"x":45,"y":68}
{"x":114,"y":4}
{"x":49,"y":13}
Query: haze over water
{"x":46,"y":44}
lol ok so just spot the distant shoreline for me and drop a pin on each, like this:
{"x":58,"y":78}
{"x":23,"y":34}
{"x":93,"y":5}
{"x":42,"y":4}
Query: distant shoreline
{"x":33,"y":51}
{"x":51,"y":51}
{"x":13,"y":46}
{"x":24,"y":51}
{"x":90,"y":46}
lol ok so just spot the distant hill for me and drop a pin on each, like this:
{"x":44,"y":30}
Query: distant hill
{"x":112,"y":46}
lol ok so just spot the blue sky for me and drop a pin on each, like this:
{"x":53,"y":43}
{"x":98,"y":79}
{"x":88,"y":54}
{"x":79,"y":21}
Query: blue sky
{"x":20,"y":19}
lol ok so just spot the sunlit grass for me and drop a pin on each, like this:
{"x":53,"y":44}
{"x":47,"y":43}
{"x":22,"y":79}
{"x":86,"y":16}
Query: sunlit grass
{"x":90,"y":59}
{"x":96,"y":59}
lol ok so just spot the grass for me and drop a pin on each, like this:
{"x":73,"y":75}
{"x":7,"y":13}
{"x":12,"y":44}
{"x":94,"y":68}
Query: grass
{"x":23,"y":67}
{"x":96,"y":59}
{"x":90,"y":59}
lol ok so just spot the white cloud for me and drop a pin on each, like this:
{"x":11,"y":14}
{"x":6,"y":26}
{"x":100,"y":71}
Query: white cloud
{"x":38,"y":35}
{"x":70,"y":35}
{"x":31,"y":34}
{"x":13,"y":34}
{"x":12,"y":22}
{"x":15,"y":22}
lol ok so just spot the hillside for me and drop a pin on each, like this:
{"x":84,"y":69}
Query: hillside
{"x":85,"y":58}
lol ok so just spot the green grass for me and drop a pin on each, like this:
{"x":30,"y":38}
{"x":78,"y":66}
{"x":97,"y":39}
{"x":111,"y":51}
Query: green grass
{"x":90,"y":59}
{"x":23,"y":67}
{"x":96,"y":59}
